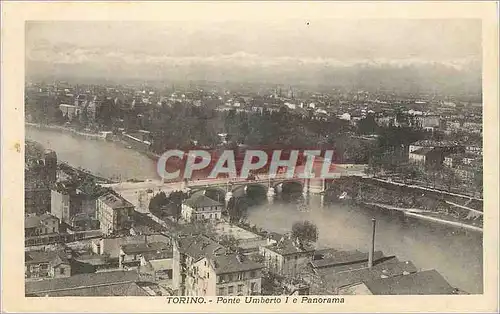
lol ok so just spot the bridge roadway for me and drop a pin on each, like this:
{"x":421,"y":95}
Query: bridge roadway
{"x":139,"y":193}
{"x":156,"y":185}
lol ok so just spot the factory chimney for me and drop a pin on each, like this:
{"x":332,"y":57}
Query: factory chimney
{"x":372,"y":246}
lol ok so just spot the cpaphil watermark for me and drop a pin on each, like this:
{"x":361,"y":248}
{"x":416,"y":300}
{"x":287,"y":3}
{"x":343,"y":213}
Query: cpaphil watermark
{"x":305,"y":164}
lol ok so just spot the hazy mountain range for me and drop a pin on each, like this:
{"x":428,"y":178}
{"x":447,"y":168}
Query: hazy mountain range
{"x":406,"y":76}
{"x":391,"y":54}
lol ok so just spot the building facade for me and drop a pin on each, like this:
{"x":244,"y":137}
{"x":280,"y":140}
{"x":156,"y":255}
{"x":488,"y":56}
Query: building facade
{"x":46,"y":264}
{"x":202,"y":267}
{"x":201,"y":207}
{"x":114,"y":213}
{"x":287,"y":257}
{"x":36,"y":225}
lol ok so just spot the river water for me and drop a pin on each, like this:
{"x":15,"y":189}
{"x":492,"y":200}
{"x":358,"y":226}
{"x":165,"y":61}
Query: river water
{"x":455,"y":253}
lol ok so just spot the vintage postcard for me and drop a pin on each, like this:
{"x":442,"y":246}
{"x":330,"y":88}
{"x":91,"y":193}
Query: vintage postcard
{"x":249,"y":156}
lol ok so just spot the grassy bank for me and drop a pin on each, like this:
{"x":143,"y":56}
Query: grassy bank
{"x":412,"y":202}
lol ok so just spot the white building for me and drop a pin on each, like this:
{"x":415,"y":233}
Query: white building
{"x":202,"y":267}
{"x":201,"y":207}
{"x":345,"y":116}
{"x":114,"y":213}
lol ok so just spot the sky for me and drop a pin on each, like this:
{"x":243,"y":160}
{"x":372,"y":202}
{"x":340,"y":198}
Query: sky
{"x":193,"y":48}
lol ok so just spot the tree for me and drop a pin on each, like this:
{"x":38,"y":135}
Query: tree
{"x":305,"y":231}
{"x":175,"y":200}
{"x":272,"y":284}
{"x":59,"y":117}
{"x":478,"y":179}
{"x":367,"y":125}
{"x":158,"y":201}
{"x":236,"y":209}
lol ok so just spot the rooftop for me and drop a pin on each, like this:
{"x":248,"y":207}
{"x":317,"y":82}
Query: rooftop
{"x":140,"y":248}
{"x":33,"y":221}
{"x":275,"y":236}
{"x":232,"y":263}
{"x":235,"y":231}
{"x":143,"y":224}
{"x":161,"y":264}
{"x":422,"y":151}
{"x":463,"y":155}
{"x":286,"y":246}
{"x":200,"y":200}
{"x":345,"y":257}
{"x":82,"y":281}
{"x":111,"y":290}
{"x":151,"y":256}
{"x":200,"y":246}
{"x":35,"y":257}
{"x":421,"y":283}
{"x":389,"y":268}
{"x":432,"y":143}
{"x":92,"y":259}
{"x":115,"y":201}
{"x":58,"y":260}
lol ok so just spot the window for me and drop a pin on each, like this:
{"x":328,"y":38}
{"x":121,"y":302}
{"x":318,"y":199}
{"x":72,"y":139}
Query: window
{"x":229,"y":277}
{"x":252,"y":274}
{"x":230,"y":289}
{"x":241,"y":276}
{"x":54,"y":229}
{"x":253,"y":287}
{"x":219,"y":279}
{"x":208,"y":274}
{"x":240,"y":288}
{"x":61,"y":271}
{"x":205,"y":263}
{"x":221,"y":291}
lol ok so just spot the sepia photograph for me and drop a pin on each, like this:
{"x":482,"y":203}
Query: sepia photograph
{"x":270,"y":161}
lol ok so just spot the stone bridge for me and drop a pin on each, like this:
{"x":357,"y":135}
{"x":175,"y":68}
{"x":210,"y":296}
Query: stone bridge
{"x":273,"y":185}
{"x":139,"y":193}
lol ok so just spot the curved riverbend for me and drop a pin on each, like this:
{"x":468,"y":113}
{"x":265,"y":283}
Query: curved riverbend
{"x":455,"y":253}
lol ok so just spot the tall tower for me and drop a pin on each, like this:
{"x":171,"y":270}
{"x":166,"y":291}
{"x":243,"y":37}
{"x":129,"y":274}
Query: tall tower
{"x":51,"y":165}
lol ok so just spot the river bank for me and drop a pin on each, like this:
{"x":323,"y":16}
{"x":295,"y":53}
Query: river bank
{"x":429,"y":245}
{"x":60,"y":128}
{"x":410,"y":201}
{"x":436,"y":217}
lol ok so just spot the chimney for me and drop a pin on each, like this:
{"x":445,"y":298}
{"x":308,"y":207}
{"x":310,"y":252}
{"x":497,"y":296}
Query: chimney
{"x":372,"y":247}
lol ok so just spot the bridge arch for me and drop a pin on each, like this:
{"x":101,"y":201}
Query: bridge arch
{"x":238,"y":189}
{"x":288,"y":185}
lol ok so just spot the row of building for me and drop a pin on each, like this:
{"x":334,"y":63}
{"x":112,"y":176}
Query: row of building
{"x":464,"y":159}
{"x":179,"y":260}
{"x":196,"y":265}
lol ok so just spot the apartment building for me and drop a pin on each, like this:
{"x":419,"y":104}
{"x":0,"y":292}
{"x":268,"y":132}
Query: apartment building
{"x":202,"y":267}
{"x":201,"y":207}
{"x":114,"y":213}
{"x":287,"y":256}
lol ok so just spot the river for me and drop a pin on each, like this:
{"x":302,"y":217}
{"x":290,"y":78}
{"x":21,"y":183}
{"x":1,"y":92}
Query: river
{"x":107,"y":159}
{"x":455,"y":253}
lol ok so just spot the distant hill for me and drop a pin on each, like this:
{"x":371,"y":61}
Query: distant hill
{"x":401,"y":77}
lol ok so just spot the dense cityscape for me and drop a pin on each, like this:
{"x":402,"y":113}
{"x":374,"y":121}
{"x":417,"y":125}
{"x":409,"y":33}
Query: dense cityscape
{"x":99,"y":221}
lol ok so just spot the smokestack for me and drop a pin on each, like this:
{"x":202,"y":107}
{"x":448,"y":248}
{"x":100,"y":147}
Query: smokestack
{"x":372,"y":247}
